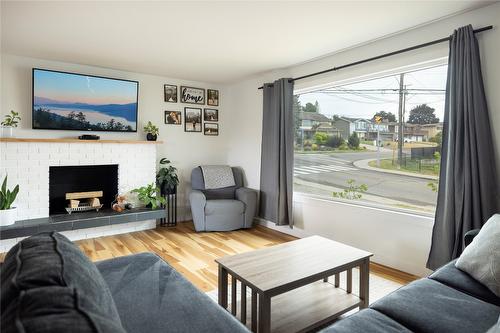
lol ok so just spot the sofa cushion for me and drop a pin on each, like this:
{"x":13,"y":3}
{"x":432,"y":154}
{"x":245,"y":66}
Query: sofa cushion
{"x":56,"y":310}
{"x":50,"y":259}
{"x":481,"y":258}
{"x":457,"y":279}
{"x":364,"y":321}
{"x":152,"y":297}
{"x":429,"y":306}
{"x":227,"y":207}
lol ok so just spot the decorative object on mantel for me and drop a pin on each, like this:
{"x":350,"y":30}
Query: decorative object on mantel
{"x":213,"y":97}
{"x":120,"y":204}
{"x":173,"y":117}
{"x":9,"y":123}
{"x":170,"y":93}
{"x":211,"y":129}
{"x":89,"y":137}
{"x":92,"y":202}
{"x":192,"y":120}
{"x":152,"y":131}
{"x":167,"y":180}
{"x":7,"y":212}
{"x":150,"y":196}
{"x":192,"y":95}
{"x":211,"y":115}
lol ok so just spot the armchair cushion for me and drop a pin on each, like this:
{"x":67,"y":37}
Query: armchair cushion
{"x":226,"y":207}
{"x":249,"y":198}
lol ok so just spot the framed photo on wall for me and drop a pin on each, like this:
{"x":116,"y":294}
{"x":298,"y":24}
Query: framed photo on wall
{"x":210,"y":129}
{"x":211,"y":115}
{"x":192,"y":120}
{"x":173,"y":117}
{"x":192,"y":95}
{"x":213,"y":97}
{"x":170,"y":93}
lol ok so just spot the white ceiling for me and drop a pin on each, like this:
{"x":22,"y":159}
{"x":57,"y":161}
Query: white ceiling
{"x":205,"y":41}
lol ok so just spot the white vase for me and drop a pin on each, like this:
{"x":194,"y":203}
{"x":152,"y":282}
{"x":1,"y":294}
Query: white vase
{"x":8,"y":216}
{"x":7,"y":132}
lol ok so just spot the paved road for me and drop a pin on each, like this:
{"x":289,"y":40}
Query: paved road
{"x":335,"y":169}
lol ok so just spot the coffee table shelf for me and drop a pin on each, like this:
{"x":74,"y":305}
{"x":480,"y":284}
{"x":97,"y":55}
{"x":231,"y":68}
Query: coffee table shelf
{"x":305,"y":308}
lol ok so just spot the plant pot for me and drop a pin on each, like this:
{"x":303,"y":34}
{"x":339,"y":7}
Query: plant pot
{"x":167,"y":189}
{"x":151,"y":137}
{"x":7,"y":132}
{"x":8,"y":216}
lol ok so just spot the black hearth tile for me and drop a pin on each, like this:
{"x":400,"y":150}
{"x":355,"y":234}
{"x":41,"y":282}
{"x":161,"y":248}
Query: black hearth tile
{"x":33,"y":222}
{"x":16,"y":225}
{"x":18,"y":232}
{"x":91,"y":223}
{"x":64,"y":218}
{"x":123,"y":218}
{"x":62,"y":226}
{"x":151,"y":215}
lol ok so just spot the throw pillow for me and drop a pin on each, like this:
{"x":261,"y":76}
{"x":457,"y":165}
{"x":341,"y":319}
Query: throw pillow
{"x":481,"y":259}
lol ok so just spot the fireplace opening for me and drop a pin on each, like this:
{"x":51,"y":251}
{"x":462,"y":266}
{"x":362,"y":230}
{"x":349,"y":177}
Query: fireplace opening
{"x":82,"y":178}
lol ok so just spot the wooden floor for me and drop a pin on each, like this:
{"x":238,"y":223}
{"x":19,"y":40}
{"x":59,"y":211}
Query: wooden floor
{"x":193,"y":254}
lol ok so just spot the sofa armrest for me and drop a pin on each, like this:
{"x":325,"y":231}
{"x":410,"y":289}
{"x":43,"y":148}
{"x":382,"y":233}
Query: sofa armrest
{"x":198,"y":202}
{"x":469,"y":236}
{"x":249,"y":198}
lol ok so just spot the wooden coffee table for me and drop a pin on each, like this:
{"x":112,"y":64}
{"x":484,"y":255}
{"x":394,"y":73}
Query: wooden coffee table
{"x":289,"y":283}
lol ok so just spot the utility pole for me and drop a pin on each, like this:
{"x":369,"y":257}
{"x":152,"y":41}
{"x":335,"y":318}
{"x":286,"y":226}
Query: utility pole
{"x":401,"y":120}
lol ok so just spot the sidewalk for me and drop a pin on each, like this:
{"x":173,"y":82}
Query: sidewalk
{"x":363,"y":164}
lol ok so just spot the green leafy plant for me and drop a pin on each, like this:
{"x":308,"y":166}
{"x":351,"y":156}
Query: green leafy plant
{"x":167,"y":177}
{"x":334,"y":141}
{"x":320,"y":138}
{"x":352,"y":192}
{"x":433,"y":186}
{"x":150,"y":195}
{"x":353,"y":141}
{"x":6,"y":196}
{"x":152,"y":129}
{"x":11,"y":120}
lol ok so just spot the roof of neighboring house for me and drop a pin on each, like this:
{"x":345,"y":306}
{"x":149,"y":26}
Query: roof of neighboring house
{"x":352,"y":120}
{"x":314,"y":116}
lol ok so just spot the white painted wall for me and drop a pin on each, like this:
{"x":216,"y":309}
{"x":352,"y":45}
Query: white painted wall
{"x":185,"y":150}
{"x":398,"y":240}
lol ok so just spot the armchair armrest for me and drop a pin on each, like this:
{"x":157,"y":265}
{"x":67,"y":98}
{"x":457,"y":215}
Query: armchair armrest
{"x":469,"y":236}
{"x":249,"y":198}
{"x":198,"y":202}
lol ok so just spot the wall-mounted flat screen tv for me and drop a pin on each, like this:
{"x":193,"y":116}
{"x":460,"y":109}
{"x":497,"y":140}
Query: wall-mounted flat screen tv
{"x":69,"y":101}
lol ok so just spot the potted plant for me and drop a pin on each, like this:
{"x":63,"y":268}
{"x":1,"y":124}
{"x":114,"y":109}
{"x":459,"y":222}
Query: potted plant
{"x":9,"y":123}
{"x":152,"y":131}
{"x":166,"y":178}
{"x":7,"y":212}
{"x":150,"y":196}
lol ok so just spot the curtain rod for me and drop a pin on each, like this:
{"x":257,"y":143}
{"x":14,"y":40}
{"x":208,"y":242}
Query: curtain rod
{"x":411,"y":48}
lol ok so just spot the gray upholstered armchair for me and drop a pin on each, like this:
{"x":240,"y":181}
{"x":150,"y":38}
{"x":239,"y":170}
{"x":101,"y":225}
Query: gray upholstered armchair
{"x":222,"y":209}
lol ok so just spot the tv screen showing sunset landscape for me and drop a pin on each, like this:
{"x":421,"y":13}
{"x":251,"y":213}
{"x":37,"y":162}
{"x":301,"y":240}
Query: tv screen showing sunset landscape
{"x":70,"y":101}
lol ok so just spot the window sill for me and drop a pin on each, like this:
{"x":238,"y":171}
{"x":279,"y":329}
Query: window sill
{"x":303,"y":197}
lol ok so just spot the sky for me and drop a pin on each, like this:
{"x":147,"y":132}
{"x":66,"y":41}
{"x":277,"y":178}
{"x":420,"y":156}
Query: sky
{"x":365,"y":104}
{"x":83,"y":89}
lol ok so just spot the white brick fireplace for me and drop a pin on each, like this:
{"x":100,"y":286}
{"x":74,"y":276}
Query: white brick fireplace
{"x":27,"y":164}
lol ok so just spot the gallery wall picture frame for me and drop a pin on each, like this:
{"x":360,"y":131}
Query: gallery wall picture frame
{"x":192,"y":119}
{"x":173,"y":117}
{"x":211,"y":129}
{"x":211,"y":115}
{"x":192,"y":95}
{"x":212,"y":97}
{"x":170,"y":93}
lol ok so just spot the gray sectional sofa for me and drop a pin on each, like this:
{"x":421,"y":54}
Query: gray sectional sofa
{"x":49,"y":285}
{"x":449,"y":300}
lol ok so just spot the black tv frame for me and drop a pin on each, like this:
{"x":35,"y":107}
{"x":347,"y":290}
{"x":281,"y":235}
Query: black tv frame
{"x":74,"y":129}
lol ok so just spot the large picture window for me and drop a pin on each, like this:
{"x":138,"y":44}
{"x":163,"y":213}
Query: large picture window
{"x":375,"y":142}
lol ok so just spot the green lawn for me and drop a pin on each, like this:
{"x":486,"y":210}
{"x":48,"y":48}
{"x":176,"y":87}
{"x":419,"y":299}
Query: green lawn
{"x":331,"y":151}
{"x":411,"y":166}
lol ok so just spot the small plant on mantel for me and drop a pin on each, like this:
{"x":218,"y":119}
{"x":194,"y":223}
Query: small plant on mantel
{"x":9,"y":123}
{"x":7,"y":197}
{"x":152,"y":131}
{"x":150,"y":196}
{"x":166,"y":177}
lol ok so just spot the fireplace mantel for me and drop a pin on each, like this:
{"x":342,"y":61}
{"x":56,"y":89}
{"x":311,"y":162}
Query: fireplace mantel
{"x":73,"y":140}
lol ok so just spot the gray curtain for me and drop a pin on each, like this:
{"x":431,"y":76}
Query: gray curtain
{"x":467,"y":194}
{"x":276,"y":172}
